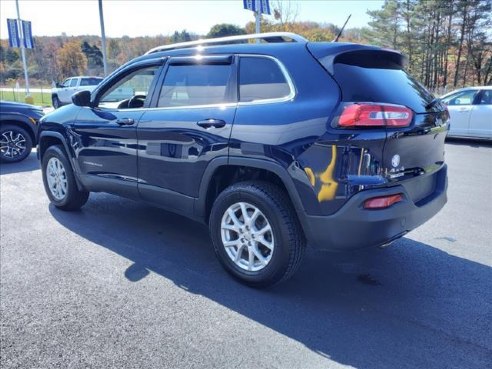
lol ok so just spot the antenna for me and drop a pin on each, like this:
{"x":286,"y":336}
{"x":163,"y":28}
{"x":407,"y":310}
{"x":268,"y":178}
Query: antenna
{"x":340,"y":33}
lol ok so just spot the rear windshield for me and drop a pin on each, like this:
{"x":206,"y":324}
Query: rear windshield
{"x":393,"y":86}
{"x":90,"y":81}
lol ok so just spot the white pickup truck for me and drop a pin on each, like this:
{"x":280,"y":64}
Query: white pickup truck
{"x":62,"y":93}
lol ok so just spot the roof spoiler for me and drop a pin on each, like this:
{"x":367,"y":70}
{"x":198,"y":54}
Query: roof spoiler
{"x":329,"y":54}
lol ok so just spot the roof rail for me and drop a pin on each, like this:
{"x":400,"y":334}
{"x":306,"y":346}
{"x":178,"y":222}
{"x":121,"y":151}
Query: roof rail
{"x":267,"y":37}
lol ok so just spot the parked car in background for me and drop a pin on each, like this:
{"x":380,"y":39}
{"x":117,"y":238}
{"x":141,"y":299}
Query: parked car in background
{"x":18,"y":130}
{"x":62,"y":93}
{"x":471,"y":112}
{"x":271,"y":144}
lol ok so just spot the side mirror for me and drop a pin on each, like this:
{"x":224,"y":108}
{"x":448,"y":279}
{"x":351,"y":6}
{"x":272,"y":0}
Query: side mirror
{"x":82,"y":98}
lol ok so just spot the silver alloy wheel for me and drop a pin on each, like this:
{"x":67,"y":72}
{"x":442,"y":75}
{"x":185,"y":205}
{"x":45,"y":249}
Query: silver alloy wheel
{"x":247,"y":236}
{"x":57,"y":178}
{"x":12,"y":144}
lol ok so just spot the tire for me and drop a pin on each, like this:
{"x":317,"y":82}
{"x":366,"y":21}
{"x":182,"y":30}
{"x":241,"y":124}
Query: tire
{"x":277,"y":253}
{"x":59,"y":181}
{"x":55,"y":102}
{"x":15,"y":143}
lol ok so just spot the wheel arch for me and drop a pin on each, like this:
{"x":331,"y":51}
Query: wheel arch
{"x":19,"y":121}
{"x":49,"y":138}
{"x":223,"y":172}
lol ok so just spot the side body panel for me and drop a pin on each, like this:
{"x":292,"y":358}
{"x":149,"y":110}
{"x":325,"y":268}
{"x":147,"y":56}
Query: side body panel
{"x":460,"y":119}
{"x":481,"y":121}
{"x":173,"y":153}
{"x":105,"y":151}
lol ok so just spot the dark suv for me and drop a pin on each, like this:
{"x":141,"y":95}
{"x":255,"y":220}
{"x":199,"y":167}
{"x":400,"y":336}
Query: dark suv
{"x":18,"y":130}
{"x":273,"y":145}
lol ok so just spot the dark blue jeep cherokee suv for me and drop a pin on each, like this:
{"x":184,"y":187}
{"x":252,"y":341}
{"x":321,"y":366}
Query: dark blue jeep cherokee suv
{"x":273,"y":144}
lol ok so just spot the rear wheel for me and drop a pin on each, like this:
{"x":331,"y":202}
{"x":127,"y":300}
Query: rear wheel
{"x":55,"y":101}
{"x":256,"y":234}
{"x":15,"y":144}
{"x":59,"y":181}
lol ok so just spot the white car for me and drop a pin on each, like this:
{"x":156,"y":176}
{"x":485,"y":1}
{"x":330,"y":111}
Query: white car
{"x":471,"y":112}
{"x":62,"y":93}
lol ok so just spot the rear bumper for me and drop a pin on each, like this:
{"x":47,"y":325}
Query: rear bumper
{"x":353,"y":227}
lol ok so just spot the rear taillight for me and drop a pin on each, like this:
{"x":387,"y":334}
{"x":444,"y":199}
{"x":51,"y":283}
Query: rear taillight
{"x":375,"y":115}
{"x":382,"y":202}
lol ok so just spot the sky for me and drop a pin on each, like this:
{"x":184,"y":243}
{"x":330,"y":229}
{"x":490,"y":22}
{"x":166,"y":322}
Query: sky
{"x":155,"y":17}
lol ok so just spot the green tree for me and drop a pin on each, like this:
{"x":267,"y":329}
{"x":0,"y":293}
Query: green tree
{"x":444,"y":40}
{"x":385,"y":24}
{"x":182,"y":36}
{"x":11,"y":56}
{"x":225,"y":29}
{"x":478,"y":44}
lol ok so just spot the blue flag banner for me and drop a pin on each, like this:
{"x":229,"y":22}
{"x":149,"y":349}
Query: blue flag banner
{"x":27,"y":33}
{"x":260,"y":6}
{"x":14,"y":39}
{"x":249,"y":5}
{"x":265,"y":7}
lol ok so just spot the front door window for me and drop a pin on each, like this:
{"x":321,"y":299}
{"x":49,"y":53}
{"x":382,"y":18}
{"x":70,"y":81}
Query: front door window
{"x":131,"y":91}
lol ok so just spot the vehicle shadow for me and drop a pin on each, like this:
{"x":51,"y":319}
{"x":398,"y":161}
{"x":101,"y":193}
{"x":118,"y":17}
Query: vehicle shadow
{"x":411,"y":305}
{"x":27,"y":165}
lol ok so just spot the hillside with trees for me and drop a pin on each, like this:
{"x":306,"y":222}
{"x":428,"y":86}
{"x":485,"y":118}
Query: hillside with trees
{"x":448,"y":43}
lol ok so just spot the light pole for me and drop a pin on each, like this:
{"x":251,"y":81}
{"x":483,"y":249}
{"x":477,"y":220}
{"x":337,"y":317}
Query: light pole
{"x":103,"y":38}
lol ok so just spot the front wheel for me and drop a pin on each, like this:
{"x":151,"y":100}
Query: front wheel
{"x":59,"y":181}
{"x":15,"y":144}
{"x":256,"y":234}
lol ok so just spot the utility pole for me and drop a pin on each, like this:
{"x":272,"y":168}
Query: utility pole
{"x":23,"y":51}
{"x":103,"y":38}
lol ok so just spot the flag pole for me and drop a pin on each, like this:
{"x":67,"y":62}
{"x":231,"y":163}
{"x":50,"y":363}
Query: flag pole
{"x":23,"y":52}
{"x":257,"y":19}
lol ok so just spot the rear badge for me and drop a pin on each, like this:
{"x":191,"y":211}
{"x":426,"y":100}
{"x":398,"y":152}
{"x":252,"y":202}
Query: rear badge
{"x":395,"y":161}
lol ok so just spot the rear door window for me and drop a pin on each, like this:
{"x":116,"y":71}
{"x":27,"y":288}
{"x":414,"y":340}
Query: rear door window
{"x":261,"y":78}
{"x":195,"y":84}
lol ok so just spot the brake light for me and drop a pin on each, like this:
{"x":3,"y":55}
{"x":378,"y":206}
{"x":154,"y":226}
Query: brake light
{"x":375,"y":115}
{"x":382,"y":202}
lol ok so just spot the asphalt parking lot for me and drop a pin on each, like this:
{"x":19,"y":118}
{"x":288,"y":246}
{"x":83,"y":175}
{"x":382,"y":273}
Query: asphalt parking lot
{"x":124,"y":285}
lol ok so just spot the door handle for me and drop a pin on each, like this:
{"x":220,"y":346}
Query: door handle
{"x":209,"y":123}
{"x":125,"y":121}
